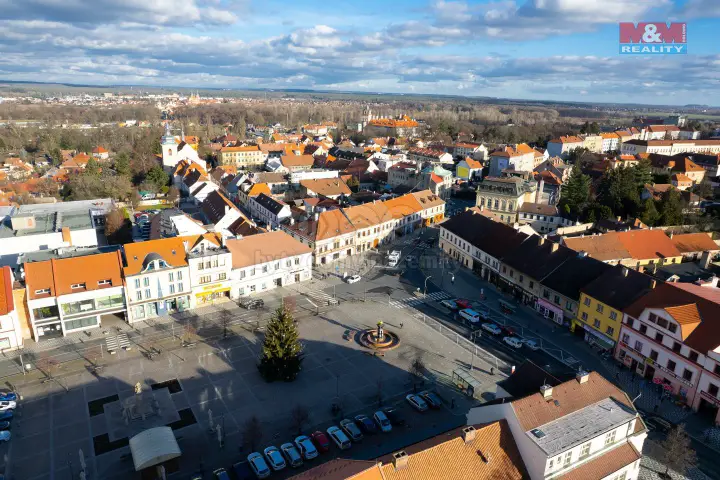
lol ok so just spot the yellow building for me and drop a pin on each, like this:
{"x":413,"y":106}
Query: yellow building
{"x":603,"y":300}
{"x":242,"y":157}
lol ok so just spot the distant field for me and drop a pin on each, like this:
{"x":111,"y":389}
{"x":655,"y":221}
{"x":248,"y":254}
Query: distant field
{"x":690,"y":116}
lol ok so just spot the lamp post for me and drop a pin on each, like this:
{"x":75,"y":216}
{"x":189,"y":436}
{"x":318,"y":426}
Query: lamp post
{"x":426,"y":279}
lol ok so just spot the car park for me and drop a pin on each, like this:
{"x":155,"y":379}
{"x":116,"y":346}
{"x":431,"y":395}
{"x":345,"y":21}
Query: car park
{"x":274,"y":458}
{"x":394,"y":416}
{"x":292,"y":455}
{"x":491,"y":328}
{"x":242,"y":471}
{"x":382,"y":421}
{"x":306,"y":447}
{"x":531,"y":344}
{"x":353,"y":279}
{"x":431,"y":399}
{"x":416,"y":402}
{"x":339,"y":437}
{"x":469,"y":315}
{"x":258,"y":465}
{"x":221,"y":474}
{"x":321,"y":441}
{"x":366,"y":424}
{"x":513,"y":342}
{"x":351,"y":429}
{"x":7,"y":405}
{"x":450,"y":304}
{"x":252,"y":303}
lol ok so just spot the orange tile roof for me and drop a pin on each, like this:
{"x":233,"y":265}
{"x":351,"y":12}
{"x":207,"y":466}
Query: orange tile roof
{"x":694,"y":242}
{"x":60,"y":274}
{"x":6,"y":297}
{"x":259,"y":188}
{"x":493,"y":454}
{"x":263,"y":248}
{"x":297,"y":160}
{"x":403,"y":206}
{"x":473,"y":163}
{"x":328,"y":187}
{"x":610,"y":135}
{"x":681,"y":178}
{"x":635,"y":244}
{"x":342,"y":469}
{"x":567,"y":139}
{"x":368,"y":215}
{"x":684,"y":164}
{"x":524,"y":148}
{"x":172,"y":250}
{"x":427,"y":199}
{"x":687,"y":316}
{"x":534,"y":411}
{"x":99,"y":150}
{"x":606,"y":464}
{"x":250,"y":148}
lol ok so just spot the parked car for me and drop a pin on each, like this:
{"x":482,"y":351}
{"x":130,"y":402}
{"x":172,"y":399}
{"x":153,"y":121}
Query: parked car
{"x":221,"y":474}
{"x":366,"y":424}
{"x":4,"y":425}
{"x":463,"y":303}
{"x":394,"y":254}
{"x":450,"y":304}
{"x":395,"y":416}
{"x":351,"y":429}
{"x":6,"y":415}
{"x":252,"y":303}
{"x":292,"y":455}
{"x":5,"y":436}
{"x":416,"y":402}
{"x":242,"y":471}
{"x":353,"y":279}
{"x":491,"y":328}
{"x":8,"y":397}
{"x":274,"y":458}
{"x":383,"y":421}
{"x":7,"y":405}
{"x":306,"y":447}
{"x":258,"y":465}
{"x":531,"y":344}
{"x":321,"y":441}
{"x":469,"y":315}
{"x":431,"y":399}
{"x":508,"y":330}
{"x":514,"y":342}
{"x":339,"y":437}
{"x":483,"y":311}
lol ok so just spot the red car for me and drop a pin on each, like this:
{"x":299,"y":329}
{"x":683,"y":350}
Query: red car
{"x":462,"y":303}
{"x":507,"y":330}
{"x":321,"y":441}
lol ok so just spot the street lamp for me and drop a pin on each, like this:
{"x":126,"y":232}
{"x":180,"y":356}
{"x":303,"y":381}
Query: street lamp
{"x":426,"y":279}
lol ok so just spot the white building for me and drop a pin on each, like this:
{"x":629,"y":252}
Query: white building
{"x":269,"y":211}
{"x":210,"y":270}
{"x":174,"y":152}
{"x":73,"y":294}
{"x":266,"y":261}
{"x":670,"y":147}
{"x":11,"y":335}
{"x":586,"y":427}
{"x":610,"y":142}
{"x":562,"y":146}
{"x":520,"y":158}
{"x":431,"y":156}
{"x":476,"y":151}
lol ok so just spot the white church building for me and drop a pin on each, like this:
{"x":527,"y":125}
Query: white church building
{"x":174,"y":152}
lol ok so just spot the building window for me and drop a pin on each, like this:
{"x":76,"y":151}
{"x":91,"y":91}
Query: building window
{"x":179,"y":275}
{"x":584,"y":316}
{"x":610,"y":437}
{"x":671,"y":365}
{"x":104,"y":282}
{"x":613,"y":315}
{"x":139,"y":296}
{"x":531,"y":284}
{"x":643,"y":329}
{"x":242,"y":274}
{"x":146,"y":281}
{"x":653,"y":318}
{"x":653,"y":355}
{"x":587,"y":301}
{"x":585,"y":450}
{"x":147,"y":293}
{"x":180,"y":287}
{"x":600,"y":308}
{"x":610,"y":331}
{"x":264,"y":269}
{"x":676,"y":347}
{"x":693,"y":356}
{"x":137,"y":283}
{"x":551,"y":463}
{"x":171,"y":277}
{"x":205,"y":279}
{"x":222,"y":276}
{"x":557,"y":300}
{"x":43,"y":291}
{"x":638,"y":345}
{"x":77,"y":286}
{"x":687,"y":375}
{"x":252,"y":272}
{"x":713,"y":389}
{"x":596,"y":323}
{"x":297,"y":261}
{"x":172,"y":289}
{"x":659,"y":337}
{"x":672,"y":327}
{"x":568,"y":459}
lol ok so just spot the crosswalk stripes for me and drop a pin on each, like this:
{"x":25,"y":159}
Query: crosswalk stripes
{"x":123,"y":341}
{"x":111,"y":343}
{"x":415,"y":301}
{"x":318,"y":296}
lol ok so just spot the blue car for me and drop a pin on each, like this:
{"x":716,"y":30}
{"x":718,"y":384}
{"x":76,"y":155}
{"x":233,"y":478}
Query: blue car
{"x":4,"y":436}
{"x":6,"y":415}
{"x":8,"y":396}
{"x":4,"y":425}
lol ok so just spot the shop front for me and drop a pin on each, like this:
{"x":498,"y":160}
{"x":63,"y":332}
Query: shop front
{"x":160,"y":308}
{"x":211,"y":293}
{"x":592,"y":336}
{"x":550,"y":311}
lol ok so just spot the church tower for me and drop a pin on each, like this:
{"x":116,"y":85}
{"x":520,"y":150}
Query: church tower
{"x":169,"y":148}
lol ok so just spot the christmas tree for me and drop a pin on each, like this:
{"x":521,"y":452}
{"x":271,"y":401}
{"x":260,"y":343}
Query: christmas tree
{"x":281,"y":355}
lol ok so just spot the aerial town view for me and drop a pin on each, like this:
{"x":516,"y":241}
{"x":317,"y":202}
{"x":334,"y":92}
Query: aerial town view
{"x":429,"y":239}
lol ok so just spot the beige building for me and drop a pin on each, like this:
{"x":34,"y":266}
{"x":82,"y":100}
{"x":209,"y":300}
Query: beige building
{"x":670,"y":147}
{"x":242,"y":157}
{"x":593,"y":143}
{"x":503,"y":196}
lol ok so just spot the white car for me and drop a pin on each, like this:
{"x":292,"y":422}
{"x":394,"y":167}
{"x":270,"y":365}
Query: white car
{"x":306,"y":447}
{"x":513,"y":342}
{"x":491,"y":328}
{"x":353,"y":279}
{"x":470,"y":315}
{"x":339,"y":437}
{"x":417,"y":403}
{"x":395,"y":254}
{"x":7,"y":405}
{"x":531,"y":344}
{"x":382,"y":420}
{"x":274,"y":458}
{"x":258,"y":465}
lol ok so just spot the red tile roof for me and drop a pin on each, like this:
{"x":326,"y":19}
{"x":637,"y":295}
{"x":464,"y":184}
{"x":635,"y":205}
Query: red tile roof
{"x":604,"y":465}
{"x":6,"y":297}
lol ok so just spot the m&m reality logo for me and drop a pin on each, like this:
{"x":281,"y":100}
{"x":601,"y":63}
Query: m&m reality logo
{"x":656,"y":38}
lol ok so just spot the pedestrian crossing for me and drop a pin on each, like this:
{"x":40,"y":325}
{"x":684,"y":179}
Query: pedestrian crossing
{"x":317,"y":296}
{"x":415,"y":301}
{"x":115,"y":342}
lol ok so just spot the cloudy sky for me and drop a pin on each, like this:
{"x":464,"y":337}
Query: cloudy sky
{"x":536,"y":49}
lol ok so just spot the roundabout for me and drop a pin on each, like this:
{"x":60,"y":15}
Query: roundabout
{"x":378,"y":339}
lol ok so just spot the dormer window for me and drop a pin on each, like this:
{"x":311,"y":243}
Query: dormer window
{"x":104,"y":282}
{"x":77,"y":286}
{"x":42,"y":291}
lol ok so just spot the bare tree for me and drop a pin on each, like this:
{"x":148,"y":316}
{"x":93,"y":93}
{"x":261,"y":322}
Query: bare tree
{"x":225,"y":321}
{"x":379,"y":392}
{"x":188,"y":332}
{"x":417,"y":371}
{"x":679,"y":453}
{"x":252,"y":432}
{"x":300,"y":417}
{"x":48,"y":366}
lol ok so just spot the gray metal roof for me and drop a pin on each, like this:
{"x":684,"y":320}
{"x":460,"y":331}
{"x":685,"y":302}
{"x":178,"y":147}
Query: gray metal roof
{"x":580,"y":426}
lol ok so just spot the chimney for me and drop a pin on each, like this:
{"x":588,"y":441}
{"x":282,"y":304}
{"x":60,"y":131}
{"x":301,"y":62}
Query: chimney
{"x":653,"y":283}
{"x":468,"y":434}
{"x":400,"y":460}
{"x":705,"y":259}
{"x":546,"y":391}
{"x":619,"y":219}
{"x":555,"y":246}
{"x":582,"y":254}
{"x":541,"y":240}
{"x":624,"y":271}
{"x":671,"y":235}
{"x":316,"y":216}
{"x":582,"y":376}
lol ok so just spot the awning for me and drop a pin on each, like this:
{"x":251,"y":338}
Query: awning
{"x":153,"y":447}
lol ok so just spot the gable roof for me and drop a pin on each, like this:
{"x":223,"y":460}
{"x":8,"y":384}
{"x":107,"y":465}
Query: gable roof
{"x":269,"y":203}
{"x":606,"y":464}
{"x":259,"y":189}
{"x":576,"y":272}
{"x":694,"y":242}
{"x":327,"y":187}
{"x":216,"y":206}
{"x":494,"y":238}
{"x":402,"y":206}
{"x":7,"y":303}
{"x":263,"y":248}
{"x":297,"y":160}
{"x":568,"y":397}
{"x":342,"y":469}
{"x":536,"y":259}
{"x":368,"y":215}
{"x":427,"y":199}
{"x":618,"y":287}
{"x":60,"y":274}
{"x":172,"y":250}
{"x":633,"y":244}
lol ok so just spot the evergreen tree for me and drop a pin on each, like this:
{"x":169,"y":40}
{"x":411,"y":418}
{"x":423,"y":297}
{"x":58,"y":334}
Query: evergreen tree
{"x":643,"y":173}
{"x":671,"y":208}
{"x":92,"y":168}
{"x":281,"y":356}
{"x":157,"y":177}
{"x":122,"y":165}
{"x":575,"y":193}
{"x":618,"y":190}
{"x":649,"y":215}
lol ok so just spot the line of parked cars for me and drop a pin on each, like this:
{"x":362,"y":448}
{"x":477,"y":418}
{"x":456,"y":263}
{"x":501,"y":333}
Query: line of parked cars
{"x":480,"y":316}
{"x":307,"y":447}
{"x":8,"y":403}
